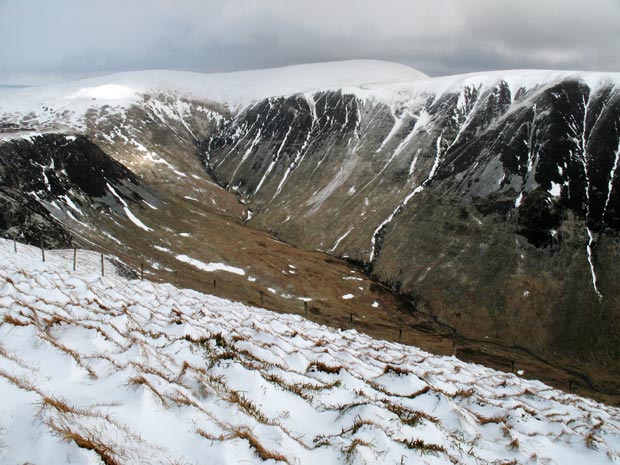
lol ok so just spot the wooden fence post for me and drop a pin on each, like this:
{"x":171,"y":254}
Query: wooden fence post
{"x":102,"y":269}
{"x":306,"y":308}
{"x":42,"y":254}
{"x":14,"y":245}
{"x":214,"y":285}
{"x":400,"y":335}
{"x":141,"y":271}
{"x":176,"y":278}
{"x":262,"y":297}
{"x":74,"y":258}
{"x":351,"y":319}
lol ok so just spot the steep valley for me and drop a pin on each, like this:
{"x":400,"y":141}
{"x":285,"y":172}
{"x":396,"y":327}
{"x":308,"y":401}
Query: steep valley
{"x":477,"y":214}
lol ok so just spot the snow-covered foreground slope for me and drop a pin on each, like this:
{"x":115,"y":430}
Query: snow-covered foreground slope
{"x":107,"y":370}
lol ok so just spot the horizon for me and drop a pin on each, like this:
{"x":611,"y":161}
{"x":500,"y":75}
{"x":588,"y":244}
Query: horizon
{"x":94,"y":75}
{"x":53,"y":42}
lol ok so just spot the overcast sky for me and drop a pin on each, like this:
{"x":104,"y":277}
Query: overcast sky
{"x":44,"y":40}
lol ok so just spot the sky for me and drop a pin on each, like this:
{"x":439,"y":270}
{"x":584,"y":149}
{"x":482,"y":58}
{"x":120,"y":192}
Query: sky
{"x":49,"y":40}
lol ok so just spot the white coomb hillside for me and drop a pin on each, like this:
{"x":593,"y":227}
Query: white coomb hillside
{"x":235,"y":90}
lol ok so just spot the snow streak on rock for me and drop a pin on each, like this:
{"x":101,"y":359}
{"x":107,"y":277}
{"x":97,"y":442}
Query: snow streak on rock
{"x":582,"y":156}
{"x":130,"y":215}
{"x":612,"y":175}
{"x":274,"y":160}
{"x":374,"y":242}
{"x":296,"y":161}
{"x":341,"y":238}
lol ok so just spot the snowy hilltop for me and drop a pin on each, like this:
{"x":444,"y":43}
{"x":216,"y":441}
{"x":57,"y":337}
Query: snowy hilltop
{"x":107,"y":370}
{"x":235,"y":90}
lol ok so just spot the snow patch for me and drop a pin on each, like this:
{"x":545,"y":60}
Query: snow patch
{"x":209,"y":267}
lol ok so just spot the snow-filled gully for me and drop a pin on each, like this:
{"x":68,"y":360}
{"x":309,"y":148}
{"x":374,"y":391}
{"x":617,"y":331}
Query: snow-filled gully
{"x":374,"y":245}
{"x":423,"y":119}
{"x":582,"y":156}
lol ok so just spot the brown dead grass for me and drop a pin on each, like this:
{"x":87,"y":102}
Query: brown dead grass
{"x":142,"y":381}
{"x":247,"y":406}
{"x":10,"y":319}
{"x":396,"y":370}
{"x":464,"y":393}
{"x":407,"y":415}
{"x":245,"y":433}
{"x":91,"y":441}
{"x":424,"y":447}
{"x":21,"y":382}
{"x":57,"y":404}
{"x":323,"y":367}
{"x":349,"y":450}
{"x":497,"y":419}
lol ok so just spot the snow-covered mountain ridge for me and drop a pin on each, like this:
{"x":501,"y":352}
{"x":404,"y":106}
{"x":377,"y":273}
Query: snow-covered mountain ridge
{"x":104,"y":370}
{"x":235,"y":90}
{"x":390,"y":83}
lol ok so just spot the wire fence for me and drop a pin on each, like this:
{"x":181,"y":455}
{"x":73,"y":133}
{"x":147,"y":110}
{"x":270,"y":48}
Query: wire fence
{"x":319,"y":311}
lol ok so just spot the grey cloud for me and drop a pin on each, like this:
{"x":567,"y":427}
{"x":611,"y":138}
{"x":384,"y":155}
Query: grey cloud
{"x":72,"y":37}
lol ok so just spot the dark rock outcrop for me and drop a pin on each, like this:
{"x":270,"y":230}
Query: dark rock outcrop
{"x":50,"y":181}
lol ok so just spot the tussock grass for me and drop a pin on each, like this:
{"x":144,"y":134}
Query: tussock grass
{"x":396,"y":370}
{"x":262,"y":452}
{"x":247,"y":406}
{"x":420,"y":392}
{"x":464,"y":393}
{"x":21,"y":382}
{"x":142,"y":381}
{"x":300,"y":389}
{"x":497,"y":419}
{"x":359,"y":424}
{"x":57,"y":404}
{"x":349,"y":450}
{"x":72,"y":353}
{"x":344,"y":408}
{"x":424,"y":447}
{"x":10,"y":319}
{"x":201,"y":341}
{"x":323,"y":367}
{"x":91,"y":441}
{"x":243,"y":432}
{"x":409,"y":416}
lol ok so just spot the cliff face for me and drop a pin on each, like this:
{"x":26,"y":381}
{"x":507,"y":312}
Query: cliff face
{"x":52,"y":184}
{"x":493,"y":203}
